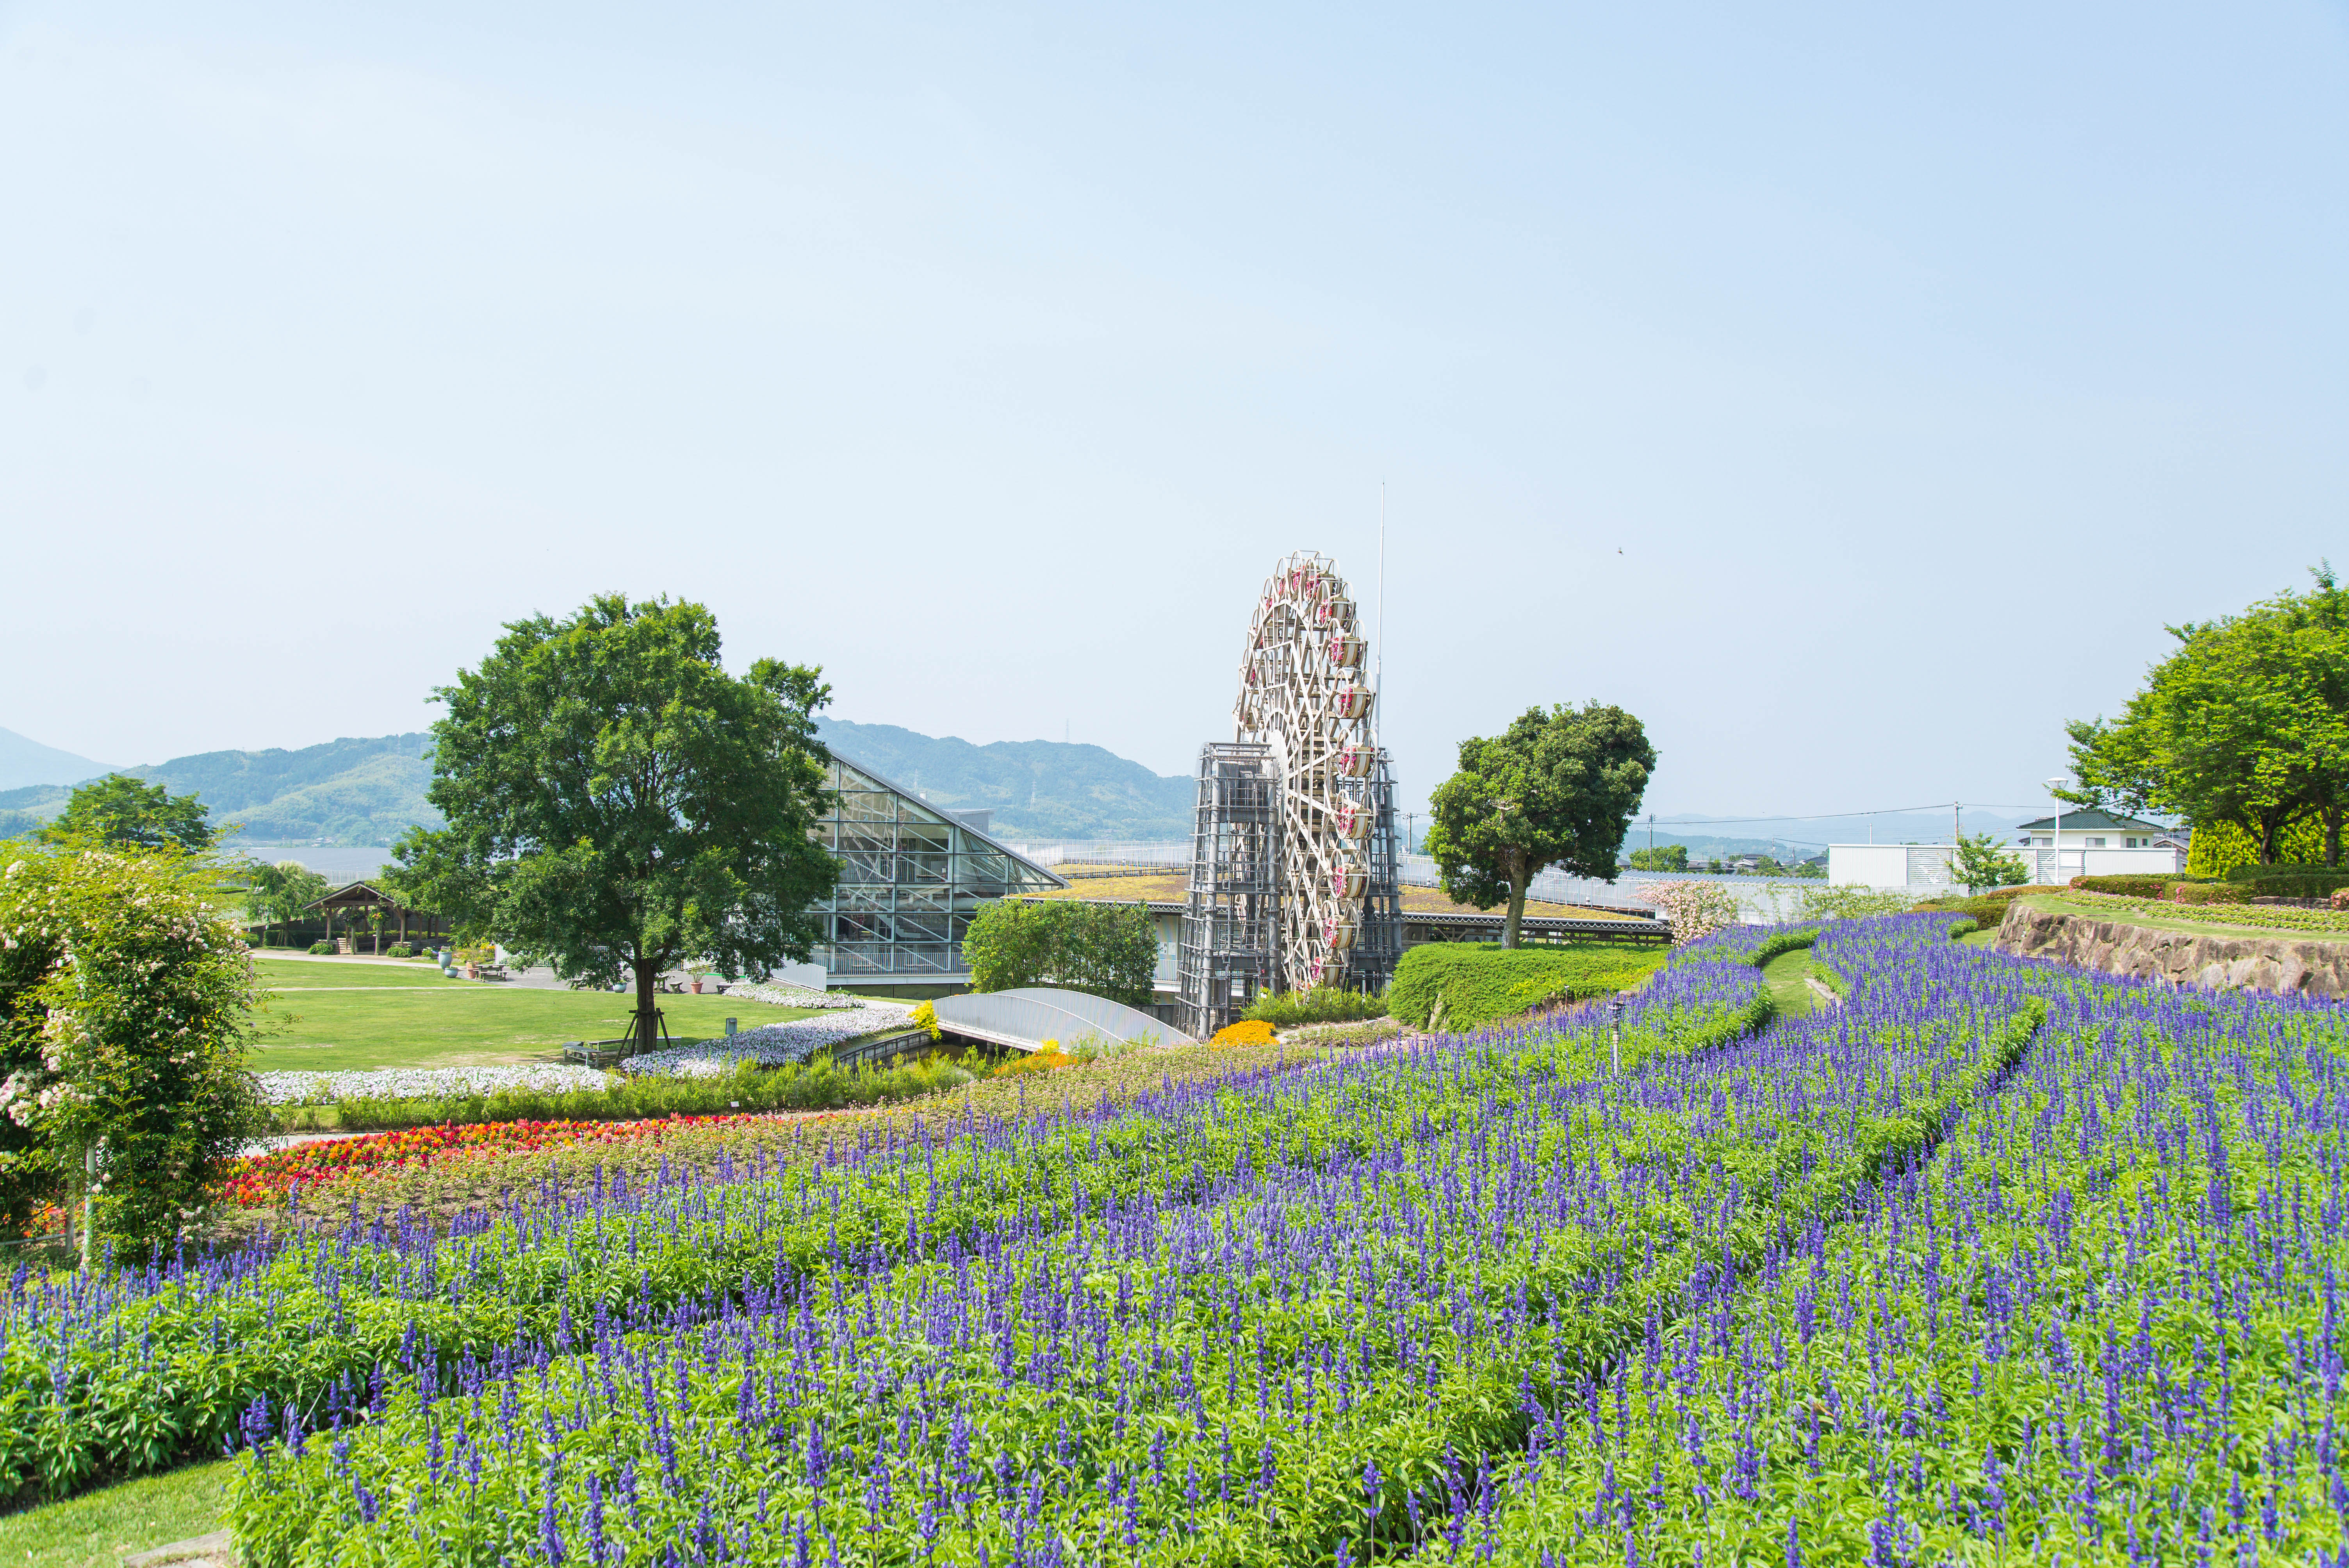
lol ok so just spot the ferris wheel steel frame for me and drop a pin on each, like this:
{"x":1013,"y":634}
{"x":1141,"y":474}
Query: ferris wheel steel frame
{"x":1294,"y":880}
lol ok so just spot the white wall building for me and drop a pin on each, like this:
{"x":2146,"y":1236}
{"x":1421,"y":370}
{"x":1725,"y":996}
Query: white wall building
{"x":2099,"y":844}
{"x":2095,"y":843}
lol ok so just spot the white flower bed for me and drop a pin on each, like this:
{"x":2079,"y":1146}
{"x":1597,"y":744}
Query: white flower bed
{"x":770,"y":1045}
{"x":792,"y":996}
{"x":425,"y":1083}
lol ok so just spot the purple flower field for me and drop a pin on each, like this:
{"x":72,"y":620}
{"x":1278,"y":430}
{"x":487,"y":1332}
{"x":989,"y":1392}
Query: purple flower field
{"x":1996,"y":1262}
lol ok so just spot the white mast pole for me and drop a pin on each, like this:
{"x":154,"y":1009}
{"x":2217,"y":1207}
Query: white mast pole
{"x":1379,"y":654}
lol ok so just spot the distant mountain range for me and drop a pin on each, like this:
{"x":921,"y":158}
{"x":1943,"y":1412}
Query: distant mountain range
{"x":343,"y":792}
{"x":370,"y":791}
{"x":1043,"y":789}
{"x":24,"y":761}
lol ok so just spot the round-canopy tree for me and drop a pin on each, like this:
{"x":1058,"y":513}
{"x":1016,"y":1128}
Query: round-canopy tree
{"x":617,"y":803}
{"x":1557,"y":789}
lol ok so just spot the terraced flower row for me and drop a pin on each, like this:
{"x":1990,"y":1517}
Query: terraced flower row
{"x":2100,"y":1323}
{"x":266,"y":1179}
{"x":1276,"y":1365}
{"x":138,"y":1370}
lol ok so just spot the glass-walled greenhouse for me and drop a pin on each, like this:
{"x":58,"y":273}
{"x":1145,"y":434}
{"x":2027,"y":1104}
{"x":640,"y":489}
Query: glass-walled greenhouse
{"x":911,"y":876}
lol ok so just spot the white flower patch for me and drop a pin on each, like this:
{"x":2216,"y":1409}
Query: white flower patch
{"x":771,"y":1045}
{"x":792,"y":996}
{"x":425,"y":1083}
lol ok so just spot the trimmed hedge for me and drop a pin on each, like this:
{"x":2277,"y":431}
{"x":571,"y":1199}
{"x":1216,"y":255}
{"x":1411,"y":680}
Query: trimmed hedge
{"x":1323,"y":1005}
{"x":2289,"y":882}
{"x":1988,"y":912}
{"x":2142,"y":884}
{"x":1479,"y":982}
{"x":816,"y":1085}
{"x":2208,"y":892}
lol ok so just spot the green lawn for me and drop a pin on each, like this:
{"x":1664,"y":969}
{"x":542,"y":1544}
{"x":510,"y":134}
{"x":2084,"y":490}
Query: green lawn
{"x":343,"y":1017}
{"x":136,"y":1516}
{"x":1784,"y":976}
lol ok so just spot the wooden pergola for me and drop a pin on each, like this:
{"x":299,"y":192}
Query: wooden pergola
{"x":361,"y":898}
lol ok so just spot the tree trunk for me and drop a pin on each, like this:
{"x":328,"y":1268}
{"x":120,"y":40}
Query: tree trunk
{"x":1517,"y":881}
{"x":647,"y":1030}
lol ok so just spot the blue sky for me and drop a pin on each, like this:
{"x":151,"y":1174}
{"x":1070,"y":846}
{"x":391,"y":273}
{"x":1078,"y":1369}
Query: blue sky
{"x":1854,"y":392}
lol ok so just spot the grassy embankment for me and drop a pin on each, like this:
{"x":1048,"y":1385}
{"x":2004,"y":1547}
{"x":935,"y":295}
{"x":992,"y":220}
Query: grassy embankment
{"x":2207,"y":919}
{"x":97,"y":1528}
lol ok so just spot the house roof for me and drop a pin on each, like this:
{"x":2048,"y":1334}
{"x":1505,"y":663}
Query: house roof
{"x":354,"y":895}
{"x":2090,"y":822}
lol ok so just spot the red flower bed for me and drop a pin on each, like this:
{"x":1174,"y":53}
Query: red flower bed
{"x":260,"y":1179}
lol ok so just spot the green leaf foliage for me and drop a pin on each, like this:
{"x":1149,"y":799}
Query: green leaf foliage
{"x":124,"y":1001}
{"x":2245,"y":726}
{"x":119,"y":812}
{"x":617,"y":803}
{"x":1323,"y":1005}
{"x":1982,"y":863}
{"x":1105,"y":949}
{"x":1479,"y":983}
{"x":1557,"y":789}
{"x":817,"y":1086}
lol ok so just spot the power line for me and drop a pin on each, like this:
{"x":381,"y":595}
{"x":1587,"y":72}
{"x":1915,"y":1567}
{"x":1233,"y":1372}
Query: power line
{"x":1823,"y":816}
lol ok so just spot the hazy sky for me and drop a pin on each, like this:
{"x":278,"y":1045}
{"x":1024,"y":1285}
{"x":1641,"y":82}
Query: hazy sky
{"x":1852,"y":392}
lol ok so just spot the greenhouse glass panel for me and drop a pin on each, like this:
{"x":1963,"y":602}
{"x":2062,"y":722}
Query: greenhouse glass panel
{"x":911,"y":877}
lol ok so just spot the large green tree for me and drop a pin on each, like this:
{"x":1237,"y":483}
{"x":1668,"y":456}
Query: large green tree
{"x":2245,"y":723}
{"x":617,"y":803}
{"x":122,"y":812}
{"x":1558,"y":787}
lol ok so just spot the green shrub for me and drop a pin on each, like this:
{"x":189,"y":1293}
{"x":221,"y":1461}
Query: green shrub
{"x":2136,"y":884}
{"x":1323,"y":1005}
{"x":818,"y":1086}
{"x":399,"y":950}
{"x":2288,"y":881}
{"x":1477,"y":984}
{"x":322,"y":949}
{"x":2210,"y":893}
{"x":1988,"y":912}
{"x":1104,"y":949}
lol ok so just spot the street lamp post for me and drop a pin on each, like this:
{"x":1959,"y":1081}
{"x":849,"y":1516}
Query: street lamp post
{"x":2054,"y":785}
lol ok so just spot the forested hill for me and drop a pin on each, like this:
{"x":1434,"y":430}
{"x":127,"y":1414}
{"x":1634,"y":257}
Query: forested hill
{"x":369,"y":791}
{"x":344,"y":791}
{"x":1037,"y":789}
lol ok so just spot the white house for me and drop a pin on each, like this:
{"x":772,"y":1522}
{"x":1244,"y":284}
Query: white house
{"x":2096,"y":844}
{"x":2099,"y":844}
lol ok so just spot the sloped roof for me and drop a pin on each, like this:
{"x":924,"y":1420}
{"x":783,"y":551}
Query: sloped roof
{"x":2089,"y":821}
{"x":354,"y":895}
{"x":913,"y":798}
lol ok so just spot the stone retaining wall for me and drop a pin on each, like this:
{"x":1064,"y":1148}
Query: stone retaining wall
{"x":2263,"y":963}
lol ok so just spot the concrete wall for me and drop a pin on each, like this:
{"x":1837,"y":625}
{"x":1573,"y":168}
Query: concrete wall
{"x":1923,"y":869}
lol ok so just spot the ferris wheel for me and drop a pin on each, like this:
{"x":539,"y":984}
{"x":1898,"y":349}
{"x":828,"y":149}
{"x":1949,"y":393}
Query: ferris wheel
{"x":1302,"y":693}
